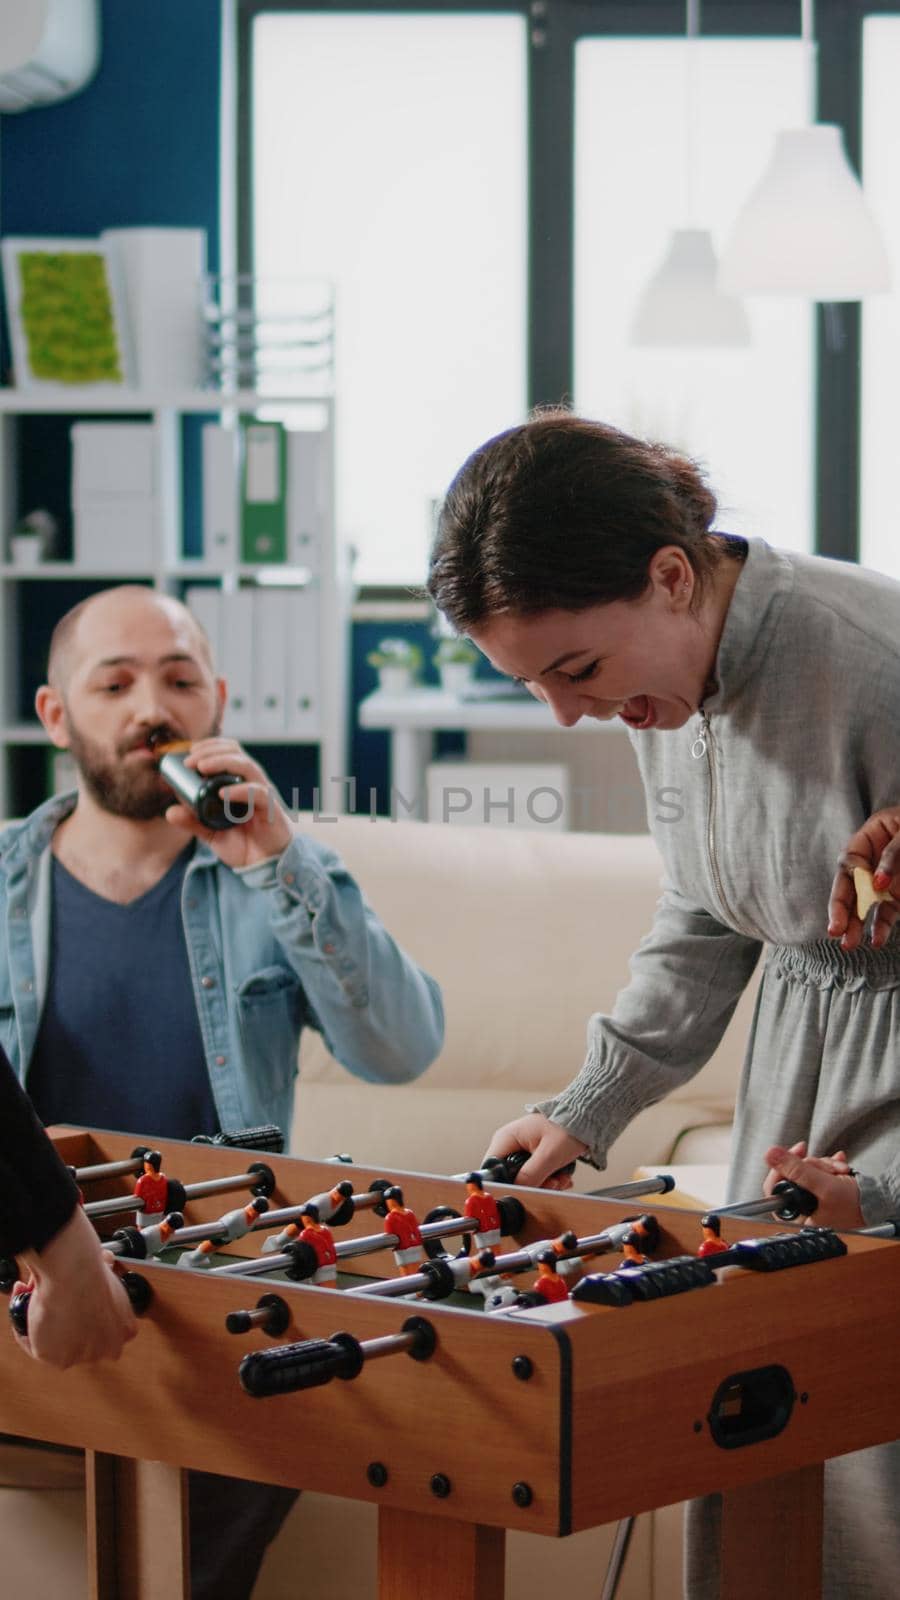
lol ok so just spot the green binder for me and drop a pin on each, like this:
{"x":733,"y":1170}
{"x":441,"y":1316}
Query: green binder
{"x":263,"y":498}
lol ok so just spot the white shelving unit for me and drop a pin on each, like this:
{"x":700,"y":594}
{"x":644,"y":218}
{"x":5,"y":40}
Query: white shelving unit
{"x":167,"y":567}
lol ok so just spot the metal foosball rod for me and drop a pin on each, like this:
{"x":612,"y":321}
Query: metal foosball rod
{"x":662,"y":1183}
{"x":788,"y":1201}
{"x":291,"y":1257}
{"x":506,"y":1169}
{"x":112,"y":1169}
{"x":438,"y":1278}
{"x":258,"y":1178}
{"x":272,"y":1315}
{"x":265,"y":1137}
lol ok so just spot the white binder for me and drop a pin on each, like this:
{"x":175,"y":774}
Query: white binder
{"x":221,"y":496}
{"x":304,"y":716}
{"x":236,"y":662}
{"x":308,"y":497}
{"x":270,"y":626}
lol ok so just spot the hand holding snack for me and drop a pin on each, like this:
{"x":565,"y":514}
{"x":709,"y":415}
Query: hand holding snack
{"x":868,"y":875}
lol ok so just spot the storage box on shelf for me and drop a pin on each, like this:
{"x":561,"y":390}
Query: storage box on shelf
{"x":278,"y":625}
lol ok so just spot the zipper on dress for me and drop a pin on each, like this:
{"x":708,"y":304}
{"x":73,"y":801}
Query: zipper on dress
{"x":703,"y":746}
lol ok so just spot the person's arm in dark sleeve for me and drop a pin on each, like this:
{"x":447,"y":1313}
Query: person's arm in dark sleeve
{"x":78,"y":1309}
{"x":37,"y":1192}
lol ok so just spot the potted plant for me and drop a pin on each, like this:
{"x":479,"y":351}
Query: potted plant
{"x":399,"y":662}
{"x":455,"y":660}
{"x":32,"y":538}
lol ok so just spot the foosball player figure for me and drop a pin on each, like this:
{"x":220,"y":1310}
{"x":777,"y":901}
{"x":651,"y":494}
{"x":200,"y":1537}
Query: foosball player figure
{"x":274,"y":1243}
{"x":404,"y":1225}
{"x":632,"y":1255}
{"x":498,"y":1290}
{"x":201,"y":1258}
{"x":713,"y":1243}
{"x":548,"y":1284}
{"x":157,"y":1236}
{"x":485,"y":1210}
{"x":235,"y":1224}
{"x":574,"y":1265}
{"x":152,"y":1187}
{"x":321,"y":1239}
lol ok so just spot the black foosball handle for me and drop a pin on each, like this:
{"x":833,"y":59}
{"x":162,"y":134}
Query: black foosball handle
{"x":266,"y":1137}
{"x":314,"y":1362}
{"x":137,"y":1289}
{"x":506,"y":1169}
{"x":272,"y":1314}
{"x":305,"y":1365}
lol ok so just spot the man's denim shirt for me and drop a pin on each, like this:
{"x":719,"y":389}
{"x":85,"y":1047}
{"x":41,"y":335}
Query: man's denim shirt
{"x":272,"y":948}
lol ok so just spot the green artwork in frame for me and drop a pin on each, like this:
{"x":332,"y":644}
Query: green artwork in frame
{"x":65,"y":314}
{"x":67,"y":317}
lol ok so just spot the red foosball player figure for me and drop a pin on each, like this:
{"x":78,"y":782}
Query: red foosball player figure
{"x":548,"y":1284}
{"x":713,"y":1243}
{"x":483,"y":1207}
{"x":152,"y":1187}
{"x":632,"y":1256}
{"x":321,"y":1239}
{"x":404,"y":1225}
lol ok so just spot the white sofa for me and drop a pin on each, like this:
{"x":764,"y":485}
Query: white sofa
{"x":528,"y":933}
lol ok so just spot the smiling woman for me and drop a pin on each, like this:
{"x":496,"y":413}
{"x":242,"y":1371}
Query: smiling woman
{"x":581,"y":562}
{"x":760,"y":689}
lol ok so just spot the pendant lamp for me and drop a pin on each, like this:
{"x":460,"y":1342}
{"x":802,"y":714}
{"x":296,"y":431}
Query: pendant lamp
{"x":806,"y":228}
{"x":682,"y":303}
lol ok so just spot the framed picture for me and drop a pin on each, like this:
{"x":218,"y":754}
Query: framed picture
{"x":66,"y":312}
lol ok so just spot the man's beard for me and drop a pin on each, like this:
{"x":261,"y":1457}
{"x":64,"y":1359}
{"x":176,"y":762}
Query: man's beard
{"x":124,"y":789}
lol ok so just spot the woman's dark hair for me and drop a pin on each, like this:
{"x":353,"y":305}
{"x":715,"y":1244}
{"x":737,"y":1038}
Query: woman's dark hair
{"x":563,"y":513}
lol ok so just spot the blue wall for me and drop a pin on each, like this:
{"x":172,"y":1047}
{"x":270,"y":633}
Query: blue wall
{"x":140,"y":146}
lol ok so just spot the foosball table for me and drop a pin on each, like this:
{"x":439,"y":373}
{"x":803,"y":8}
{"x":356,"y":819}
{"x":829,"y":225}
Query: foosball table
{"x":582,"y":1399}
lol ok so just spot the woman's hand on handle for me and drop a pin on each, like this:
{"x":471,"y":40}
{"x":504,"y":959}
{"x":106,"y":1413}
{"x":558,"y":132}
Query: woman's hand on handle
{"x":829,"y":1178}
{"x":549,"y":1145}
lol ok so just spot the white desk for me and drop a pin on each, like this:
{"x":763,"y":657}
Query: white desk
{"x":412,"y":719}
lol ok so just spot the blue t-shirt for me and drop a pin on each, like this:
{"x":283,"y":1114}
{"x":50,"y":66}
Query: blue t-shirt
{"x":119,"y":1044}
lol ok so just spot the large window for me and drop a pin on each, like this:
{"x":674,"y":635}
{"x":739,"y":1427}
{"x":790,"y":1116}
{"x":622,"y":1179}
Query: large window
{"x":389,"y":157}
{"x":490,"y":190}
{"x":672,"y":135}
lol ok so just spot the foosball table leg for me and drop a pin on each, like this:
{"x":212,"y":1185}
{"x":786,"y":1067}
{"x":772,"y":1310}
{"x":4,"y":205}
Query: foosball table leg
{"x":772,"y":1537}
{"x":137,"y":1529}
{"x":445,"y":1560}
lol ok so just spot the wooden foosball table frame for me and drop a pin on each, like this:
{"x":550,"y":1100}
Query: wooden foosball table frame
{"x":550,"y":1420}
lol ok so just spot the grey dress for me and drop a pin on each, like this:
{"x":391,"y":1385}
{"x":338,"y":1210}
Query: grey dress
{"x":750,"y":805}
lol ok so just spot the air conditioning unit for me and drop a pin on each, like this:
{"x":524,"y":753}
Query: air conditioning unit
{"x":49,"y":49}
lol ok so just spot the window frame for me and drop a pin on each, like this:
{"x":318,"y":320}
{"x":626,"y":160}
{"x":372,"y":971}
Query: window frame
{"x":554,"y":28}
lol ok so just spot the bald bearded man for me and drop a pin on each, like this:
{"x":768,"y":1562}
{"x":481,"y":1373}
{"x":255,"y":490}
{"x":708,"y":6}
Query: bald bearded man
{"x":159,"y":974}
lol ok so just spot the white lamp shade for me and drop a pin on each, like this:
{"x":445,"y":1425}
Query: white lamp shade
{"x":682,"y":304}
{"x":806,"y":228}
